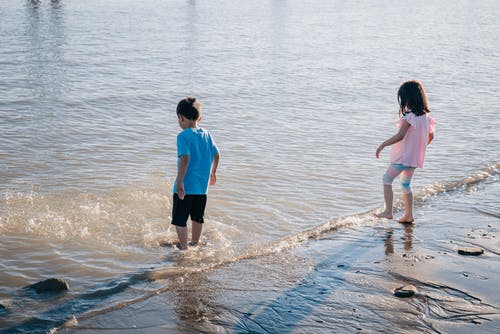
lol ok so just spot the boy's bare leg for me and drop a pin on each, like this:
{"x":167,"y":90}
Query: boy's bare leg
{"x":182,"y":234}
{"x":196,"y":232}
{"x":388,"y":198}
{"x":408,"y":202}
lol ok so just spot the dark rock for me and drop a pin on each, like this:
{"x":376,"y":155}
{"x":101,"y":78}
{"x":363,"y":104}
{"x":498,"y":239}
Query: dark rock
{"x":405,"y":291}
{"x":470,"y":251}
{"x":50,"y":285}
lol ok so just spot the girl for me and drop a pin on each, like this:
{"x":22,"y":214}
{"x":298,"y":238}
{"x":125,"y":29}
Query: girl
{"x":416,"y":131}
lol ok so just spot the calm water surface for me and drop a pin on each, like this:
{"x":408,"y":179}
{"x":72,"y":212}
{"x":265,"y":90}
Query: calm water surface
{"x":298,"y":95}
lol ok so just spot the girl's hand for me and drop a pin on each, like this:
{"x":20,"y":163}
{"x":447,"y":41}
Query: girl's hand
{"x":213,"y":179}
{"x":379,"y":149}
{"x":394,"y":139}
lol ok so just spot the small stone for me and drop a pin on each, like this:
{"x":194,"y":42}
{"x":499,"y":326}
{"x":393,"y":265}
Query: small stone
{"x":405,"y":291}
{"x":50,"y":285}
{"x":5,"y":305}
{"x":470,"y":251}
{"x":71,"y":322}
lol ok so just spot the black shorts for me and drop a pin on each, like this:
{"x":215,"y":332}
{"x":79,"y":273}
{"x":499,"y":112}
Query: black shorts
{"x":191,"y":205}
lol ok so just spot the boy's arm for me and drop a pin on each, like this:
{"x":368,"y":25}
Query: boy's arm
{"x":394,"y":139}
{"x":181,"y":172}
{"x":213,"y":175}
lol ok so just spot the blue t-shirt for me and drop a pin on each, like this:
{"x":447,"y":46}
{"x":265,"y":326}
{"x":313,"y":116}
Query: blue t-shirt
{"x":201,"y":148}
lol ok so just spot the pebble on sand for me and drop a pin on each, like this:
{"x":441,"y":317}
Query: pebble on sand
{"x":50,"y":285}
{"x":470,"y":251}
{"x":405,"y":291}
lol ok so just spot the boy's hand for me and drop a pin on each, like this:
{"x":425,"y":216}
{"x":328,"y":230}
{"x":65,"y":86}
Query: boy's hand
{"x":213,"y":179}
{"x":180,"y":191}
{"x":181,"y":172}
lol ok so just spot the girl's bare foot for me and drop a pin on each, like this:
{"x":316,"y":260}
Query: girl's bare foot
{"x":383,"y":214}
{"x":406,"y":220}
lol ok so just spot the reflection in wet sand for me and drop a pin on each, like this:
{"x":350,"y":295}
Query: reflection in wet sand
{"x":407,"y":239}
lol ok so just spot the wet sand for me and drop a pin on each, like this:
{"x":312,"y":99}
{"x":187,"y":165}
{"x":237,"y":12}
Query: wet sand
{"x":340,"y":282}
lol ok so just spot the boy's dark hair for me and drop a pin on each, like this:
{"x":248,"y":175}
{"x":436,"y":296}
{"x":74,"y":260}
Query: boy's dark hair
{"x":411,"y":96}
{"x":190,"y":108}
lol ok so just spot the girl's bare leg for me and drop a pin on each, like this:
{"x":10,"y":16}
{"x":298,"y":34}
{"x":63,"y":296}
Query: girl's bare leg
{"x":406,"y":176}
{"x":388,"y":198}
{"x":408,"y":215}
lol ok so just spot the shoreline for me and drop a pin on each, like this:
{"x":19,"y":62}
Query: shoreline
{"x":341,"y":281}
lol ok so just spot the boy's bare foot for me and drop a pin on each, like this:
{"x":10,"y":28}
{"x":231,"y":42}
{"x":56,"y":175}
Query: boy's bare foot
{"x":383,"y":214}
{"x":179,"y":246}
{"x":406,"y":220}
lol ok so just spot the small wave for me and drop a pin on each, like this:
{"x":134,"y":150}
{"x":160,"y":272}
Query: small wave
{"x":118,"y":217}
{"x":462,"y":184}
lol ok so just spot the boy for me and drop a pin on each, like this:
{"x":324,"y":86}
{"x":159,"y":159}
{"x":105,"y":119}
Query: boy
{"x":198,"y":158}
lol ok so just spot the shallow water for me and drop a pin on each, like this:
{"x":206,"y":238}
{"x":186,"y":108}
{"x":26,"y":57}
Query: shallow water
{"x":297,"y":95}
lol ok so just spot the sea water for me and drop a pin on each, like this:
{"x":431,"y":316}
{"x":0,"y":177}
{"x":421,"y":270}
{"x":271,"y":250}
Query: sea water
{"x":297,"y":94}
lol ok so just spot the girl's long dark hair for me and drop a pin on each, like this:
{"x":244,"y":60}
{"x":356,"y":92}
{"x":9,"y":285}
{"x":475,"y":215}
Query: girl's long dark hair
{"x":411,"y":97}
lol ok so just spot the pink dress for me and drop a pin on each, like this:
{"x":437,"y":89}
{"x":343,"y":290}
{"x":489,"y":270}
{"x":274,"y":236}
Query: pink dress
{"x":410,"y":151}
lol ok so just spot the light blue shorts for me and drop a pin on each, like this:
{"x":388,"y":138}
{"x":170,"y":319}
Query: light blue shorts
{"x":406,"y":174}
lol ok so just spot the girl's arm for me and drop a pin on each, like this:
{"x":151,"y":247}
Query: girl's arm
{"x":213,"y":176}
{"x":430,"y":137}
{"x":181,"y":172}
{"x":394,"y":139}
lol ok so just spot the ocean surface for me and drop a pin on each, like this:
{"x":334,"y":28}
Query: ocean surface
{"x":297,"y":94}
